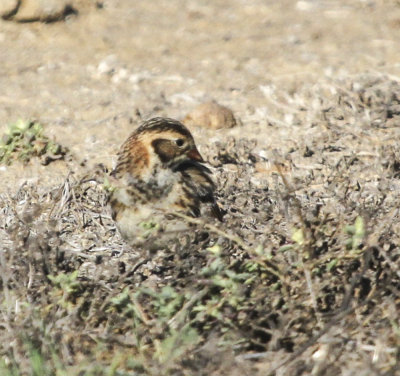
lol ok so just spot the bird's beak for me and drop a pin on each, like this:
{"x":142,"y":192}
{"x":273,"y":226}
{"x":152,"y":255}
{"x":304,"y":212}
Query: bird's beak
{"x":195,"y":155}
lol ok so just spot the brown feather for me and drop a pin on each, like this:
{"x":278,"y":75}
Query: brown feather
{"x":133,"y":157}
{"x":160,"y":168}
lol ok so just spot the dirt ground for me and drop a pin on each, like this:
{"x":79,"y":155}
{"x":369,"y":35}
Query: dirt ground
{"x":306,"y":269}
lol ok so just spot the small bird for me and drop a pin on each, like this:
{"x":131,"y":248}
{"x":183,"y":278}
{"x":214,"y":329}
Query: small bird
{"x":160,"y":172}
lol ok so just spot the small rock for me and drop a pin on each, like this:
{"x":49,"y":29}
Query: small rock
{"x":108,"y":65}
{"x":42,"y":10}
{"x":211,"y":115}
{"x":8,"y":8}
{"x":121,"y":75}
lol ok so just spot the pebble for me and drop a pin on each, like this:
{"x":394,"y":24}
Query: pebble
{"x":211,"y":115}
{"x":107,"y":65}
{"x":8,"y":7}
{"x":39,"y":10}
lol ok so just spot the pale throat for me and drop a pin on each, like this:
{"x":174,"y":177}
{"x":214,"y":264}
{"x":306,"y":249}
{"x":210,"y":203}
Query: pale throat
{"x":156,"y":174}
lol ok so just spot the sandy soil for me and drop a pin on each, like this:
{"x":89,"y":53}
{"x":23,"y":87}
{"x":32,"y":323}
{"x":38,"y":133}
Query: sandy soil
{"x":315,"y":88}
{"x":86,"y":78}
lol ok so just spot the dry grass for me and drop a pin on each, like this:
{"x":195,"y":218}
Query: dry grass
{"x":302,"y":278}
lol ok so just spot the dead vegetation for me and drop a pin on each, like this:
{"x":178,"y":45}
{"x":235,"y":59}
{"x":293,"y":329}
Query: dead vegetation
{"x":302,"y":277}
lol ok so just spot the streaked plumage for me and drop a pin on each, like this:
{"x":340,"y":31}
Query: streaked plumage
{"x":159,"y":171}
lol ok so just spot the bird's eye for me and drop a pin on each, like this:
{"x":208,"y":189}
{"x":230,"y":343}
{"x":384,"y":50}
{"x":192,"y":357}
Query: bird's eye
{"x":179,"y":142}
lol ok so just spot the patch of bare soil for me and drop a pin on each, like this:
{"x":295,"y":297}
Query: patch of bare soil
{"x":303,"y":275}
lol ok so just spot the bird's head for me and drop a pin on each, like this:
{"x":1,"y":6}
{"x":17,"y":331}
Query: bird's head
{"x":171,"y":142}
{"x":157,"y":143}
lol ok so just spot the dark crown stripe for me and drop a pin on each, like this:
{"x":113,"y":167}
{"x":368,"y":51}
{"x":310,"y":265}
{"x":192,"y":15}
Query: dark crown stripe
{"x":160,"y":124}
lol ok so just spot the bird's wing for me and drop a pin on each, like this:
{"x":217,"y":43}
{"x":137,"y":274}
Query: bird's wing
{"x":197,"y":179}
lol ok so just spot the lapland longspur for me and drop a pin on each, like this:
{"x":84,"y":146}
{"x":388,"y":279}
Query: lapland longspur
{"x":160,"y":172}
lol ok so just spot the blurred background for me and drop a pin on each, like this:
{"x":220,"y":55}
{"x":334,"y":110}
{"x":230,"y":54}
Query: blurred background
{"x":90,"y":70}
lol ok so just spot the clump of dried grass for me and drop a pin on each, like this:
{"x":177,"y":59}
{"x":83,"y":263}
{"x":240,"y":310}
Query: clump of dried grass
{"x":302,"y":277}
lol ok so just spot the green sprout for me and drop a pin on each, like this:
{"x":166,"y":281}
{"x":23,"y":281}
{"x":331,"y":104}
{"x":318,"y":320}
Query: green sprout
{"x":24,"y":140}
{"x":357,"y":233}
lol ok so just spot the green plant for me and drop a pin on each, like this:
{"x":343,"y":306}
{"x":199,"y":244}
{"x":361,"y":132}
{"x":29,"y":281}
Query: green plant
{"x":357,"y":233}
{"x":66,"y":286}
{"x":24,"y":140}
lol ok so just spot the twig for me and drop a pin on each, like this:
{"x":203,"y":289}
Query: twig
{"x":178,"y":318}
{"x":212,"y":228}
{"x":307,"y":274}
{"x":232,"y":238}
